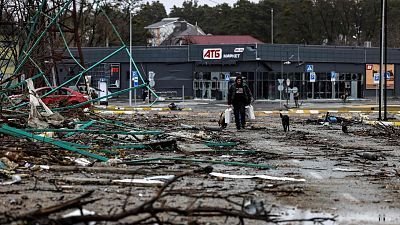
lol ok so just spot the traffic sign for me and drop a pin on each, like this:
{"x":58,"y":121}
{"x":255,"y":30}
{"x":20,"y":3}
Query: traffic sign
{"x":287,"y":82}
{"x":151,"y":75}
{"x":376,"y":78}
{"x":152,"y":83}
{"x":293,"y":90}
{"x":227,"y":77}
{"x":333,"y":76}
{"x":309,"y":68}
{"x":281,"y":81}
{"x":280,"y":87}
{"x":387,"y":75}
{"x":135,"y":78}
{"x":313,"y":77}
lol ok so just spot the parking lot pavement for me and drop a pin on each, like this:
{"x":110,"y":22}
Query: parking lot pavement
{"x":262,"y":107}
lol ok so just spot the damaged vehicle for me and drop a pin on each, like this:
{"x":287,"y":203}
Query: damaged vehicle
{"x":62,"y":97}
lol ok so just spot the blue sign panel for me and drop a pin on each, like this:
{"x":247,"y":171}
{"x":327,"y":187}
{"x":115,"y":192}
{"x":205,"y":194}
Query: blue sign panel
{"x":309,"y":68}
{"x":333,"y":76}
{"x":313,"y":77}
{"x":135,"y":78}
{"x":227,"y":77}
{"x":376,"y":78}
{"x":387,"y":75}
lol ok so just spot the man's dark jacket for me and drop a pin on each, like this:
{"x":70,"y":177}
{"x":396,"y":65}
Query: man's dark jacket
{"x":232,"y":92}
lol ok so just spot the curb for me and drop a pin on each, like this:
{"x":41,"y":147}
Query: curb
{"x":257,"y":113}
{"x":386,"y":123}
{"x":129,"y":108}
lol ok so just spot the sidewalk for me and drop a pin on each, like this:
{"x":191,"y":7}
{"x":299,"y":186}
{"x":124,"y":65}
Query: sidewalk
{"x":262,"y":107}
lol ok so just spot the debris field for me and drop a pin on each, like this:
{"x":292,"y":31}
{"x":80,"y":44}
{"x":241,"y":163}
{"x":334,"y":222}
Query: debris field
{"x":175,"y":168}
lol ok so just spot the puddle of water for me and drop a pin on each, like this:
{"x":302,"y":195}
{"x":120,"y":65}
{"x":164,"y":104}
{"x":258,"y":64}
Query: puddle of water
{"x":376,"y":217}
{"x":384,"y":217}
{"x":297,"y":214}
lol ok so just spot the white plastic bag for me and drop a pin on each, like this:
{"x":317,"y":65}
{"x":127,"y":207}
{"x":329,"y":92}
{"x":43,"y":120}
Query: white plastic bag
{"x":250,"y":112}
{"x":228,"y":115}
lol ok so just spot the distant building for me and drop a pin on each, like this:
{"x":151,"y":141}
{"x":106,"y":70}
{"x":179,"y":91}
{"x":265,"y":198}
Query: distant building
{"x":220,"y":39}
{"x":171,"y":31}
{"x":205,"y":71}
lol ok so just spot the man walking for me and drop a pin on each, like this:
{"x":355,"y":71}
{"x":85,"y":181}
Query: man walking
{"x":239,"y":96}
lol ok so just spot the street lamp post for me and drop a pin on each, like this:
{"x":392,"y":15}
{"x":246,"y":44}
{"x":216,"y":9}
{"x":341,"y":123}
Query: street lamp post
{"x":272,"y":26}
{"x":130,"y":53}
{"x":381,"y":58}
{"x":280,"y":90}
{"x":287,"y":83}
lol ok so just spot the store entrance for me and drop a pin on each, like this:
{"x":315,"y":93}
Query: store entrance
{"x":324,"y":88}
{"x":211,"y":85}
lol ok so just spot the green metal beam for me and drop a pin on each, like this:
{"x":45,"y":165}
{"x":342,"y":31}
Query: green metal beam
{"x":229,"y":152}
{"x":96,"y":131}
{"x":55,"y":18}
{"x":129,"y":53}
{"x":138,"y":146}
{"x":75,"y":77}
{"x":33,"y":27}
{"x":62,"y":144}
{"x":24,"y":81}
{"x":84,"y":126}
{"x":66,"y":46}
{"x":97,"y":99}
{"x":140,"y":75}
{"x":60,"y":141}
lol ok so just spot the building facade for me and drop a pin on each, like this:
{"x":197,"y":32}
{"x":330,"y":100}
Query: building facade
{"x":171,"y":31}
{"x":272,"y":71}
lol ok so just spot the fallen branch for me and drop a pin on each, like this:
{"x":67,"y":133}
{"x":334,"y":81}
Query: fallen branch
{"x":44,"y":212}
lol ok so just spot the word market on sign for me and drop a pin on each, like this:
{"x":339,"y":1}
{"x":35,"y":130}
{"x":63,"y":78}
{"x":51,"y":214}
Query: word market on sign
{"x":231,"y":56}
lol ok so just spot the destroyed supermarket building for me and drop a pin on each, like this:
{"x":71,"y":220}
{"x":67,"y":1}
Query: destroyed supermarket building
{"x":203,"y":71}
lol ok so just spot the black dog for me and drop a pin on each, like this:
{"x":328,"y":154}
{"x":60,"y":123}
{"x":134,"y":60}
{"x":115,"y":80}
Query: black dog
{"x":285,"y":122}
{"x":172,"y":106}
{"x":221,"y":121}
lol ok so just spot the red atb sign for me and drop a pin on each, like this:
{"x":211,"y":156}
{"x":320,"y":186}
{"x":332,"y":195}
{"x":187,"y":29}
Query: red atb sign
{"x":212,"y":53}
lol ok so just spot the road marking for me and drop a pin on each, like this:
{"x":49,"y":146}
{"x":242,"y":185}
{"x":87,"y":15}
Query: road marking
{"x":316,"y":175}
{"x":268,"y":112}
{"x":187,"y":111}
{"x":372,"y":122}
{"x":296,"y":161}
{"x":350,"y":197}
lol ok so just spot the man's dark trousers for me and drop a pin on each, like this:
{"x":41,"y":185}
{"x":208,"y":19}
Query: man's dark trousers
{"x":240,"y":115}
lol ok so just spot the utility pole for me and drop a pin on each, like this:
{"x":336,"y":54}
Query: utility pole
{"x":272,"y":26}
{"x":381,"y":75}
{"x":130,"y":53}
{"x":385,"y":79}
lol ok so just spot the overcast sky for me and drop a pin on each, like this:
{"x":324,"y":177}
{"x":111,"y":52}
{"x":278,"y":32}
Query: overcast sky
{"x":170,"y":3}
